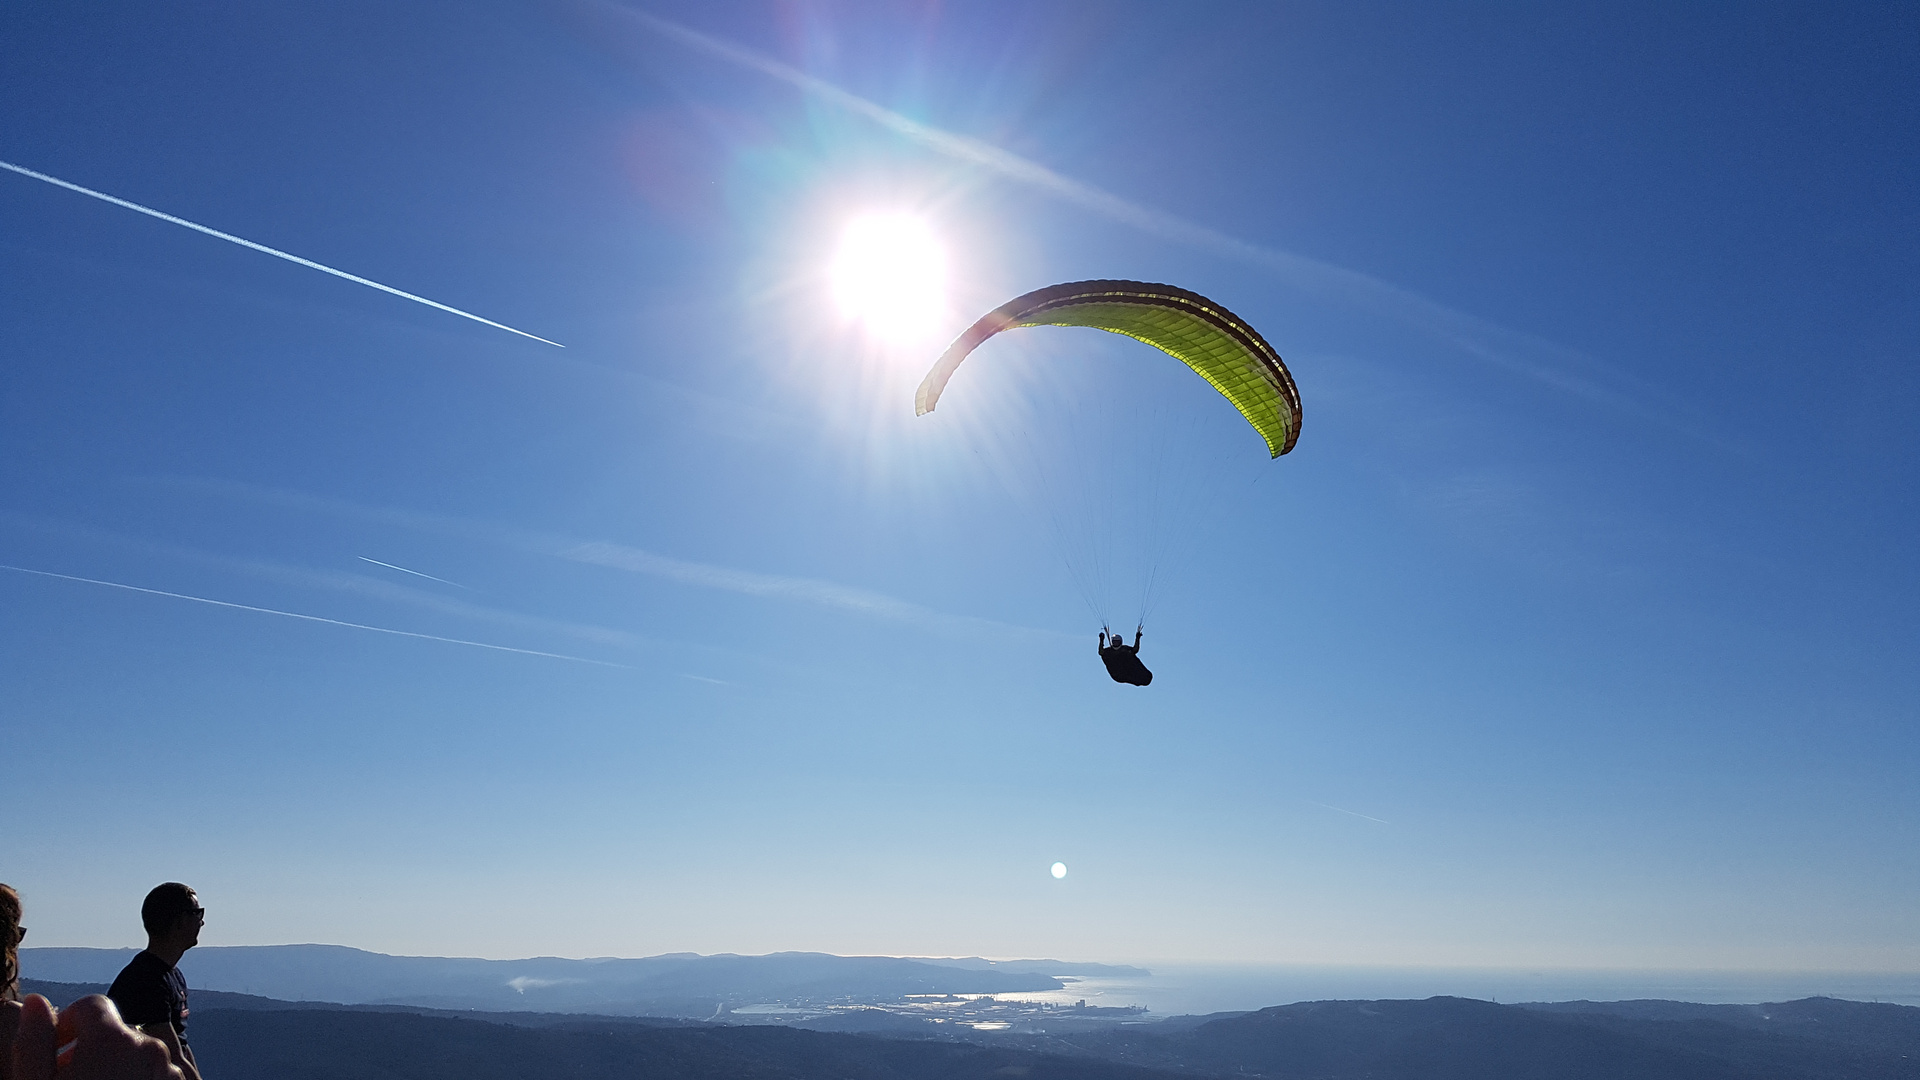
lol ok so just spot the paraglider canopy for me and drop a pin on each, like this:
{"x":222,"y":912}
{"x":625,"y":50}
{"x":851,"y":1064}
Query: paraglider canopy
{"x":1205,"y":336}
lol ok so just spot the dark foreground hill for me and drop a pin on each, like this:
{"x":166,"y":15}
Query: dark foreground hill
{"x":1871,"y":1027}
{"x":322,"y":1045}
{"x":1461,"y":1039}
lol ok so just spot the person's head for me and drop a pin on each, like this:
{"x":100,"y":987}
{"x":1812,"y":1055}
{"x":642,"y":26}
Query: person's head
{"x":10,"y":934}
{"x":172,"y":915}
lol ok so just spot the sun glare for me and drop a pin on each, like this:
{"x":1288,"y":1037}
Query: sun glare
{"x":890,"y":275}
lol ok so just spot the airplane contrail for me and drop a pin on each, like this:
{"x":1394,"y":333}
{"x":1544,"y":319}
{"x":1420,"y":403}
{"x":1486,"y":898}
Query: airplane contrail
{"x":275,"y":252}
{"x":1354,"y":813}
{"x":1516,"y":351}
{"x":415,"y":573}
{"x":312,"y":618}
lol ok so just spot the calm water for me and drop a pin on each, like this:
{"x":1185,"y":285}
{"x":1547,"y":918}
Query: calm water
{"x":1174,"y":989}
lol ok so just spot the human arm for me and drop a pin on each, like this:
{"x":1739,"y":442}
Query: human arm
{"x":1137,"y":631}
{"x":9,"y":1026}
{"x":177,"y":1051}
{"x":84,"y":1041}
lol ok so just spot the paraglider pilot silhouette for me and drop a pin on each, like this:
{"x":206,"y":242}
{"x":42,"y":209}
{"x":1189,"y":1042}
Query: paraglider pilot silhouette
{"x":1122,"y":659}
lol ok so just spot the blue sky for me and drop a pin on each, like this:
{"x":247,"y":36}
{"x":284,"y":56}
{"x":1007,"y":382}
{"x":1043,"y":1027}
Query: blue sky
{"x":1578,"y":631}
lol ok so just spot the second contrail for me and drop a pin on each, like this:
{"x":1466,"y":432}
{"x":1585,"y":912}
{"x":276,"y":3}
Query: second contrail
{"x":1355,"y":813}
{"x":264,"y":249}
{"x":415,"y":573}
{"x":309,"y":618}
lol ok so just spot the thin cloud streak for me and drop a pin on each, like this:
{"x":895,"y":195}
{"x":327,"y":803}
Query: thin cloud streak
{"x":752,"y":583}
{"x":264,"y":249}
{"x":311,"y":618}
{"x":806,"y":590}
{"x":1478,"y":337}
{"x":390,"y":592}
{"x":415,"y":573}
{"x":380,"y":589}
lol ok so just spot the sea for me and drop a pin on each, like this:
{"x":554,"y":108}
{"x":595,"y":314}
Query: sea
{"x":1175,"y":989}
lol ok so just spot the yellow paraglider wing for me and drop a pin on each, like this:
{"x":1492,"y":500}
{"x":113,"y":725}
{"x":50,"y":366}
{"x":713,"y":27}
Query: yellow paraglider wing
{"x":1185,"y":325}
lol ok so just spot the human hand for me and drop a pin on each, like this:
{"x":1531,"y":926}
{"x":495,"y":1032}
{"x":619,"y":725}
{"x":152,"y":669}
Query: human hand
{"x":85,"y":1041}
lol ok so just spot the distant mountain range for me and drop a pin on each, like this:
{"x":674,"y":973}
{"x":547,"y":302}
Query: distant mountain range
{"x":1036,"y":967}
{"x":1436,"y":1039}
{"x":676,"y":984}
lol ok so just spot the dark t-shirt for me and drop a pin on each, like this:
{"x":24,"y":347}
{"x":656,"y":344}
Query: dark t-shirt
{"x":151,"y":991}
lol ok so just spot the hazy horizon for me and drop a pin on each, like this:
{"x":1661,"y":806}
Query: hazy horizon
{"x":1166,"y":988}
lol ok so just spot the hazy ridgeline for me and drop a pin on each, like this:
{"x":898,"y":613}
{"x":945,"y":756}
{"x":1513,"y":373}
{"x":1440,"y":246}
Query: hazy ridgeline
{"x":675,"y":985}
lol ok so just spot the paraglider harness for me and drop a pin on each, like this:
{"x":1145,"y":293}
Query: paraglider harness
{"x":1123,"y":660}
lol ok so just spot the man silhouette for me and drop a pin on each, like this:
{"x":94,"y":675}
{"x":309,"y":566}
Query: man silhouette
{"x":1123,"y":660}
{"x":150,"y":993}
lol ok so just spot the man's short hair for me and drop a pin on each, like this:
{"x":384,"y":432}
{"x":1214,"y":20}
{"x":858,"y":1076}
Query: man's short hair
{"x":165,"y":904}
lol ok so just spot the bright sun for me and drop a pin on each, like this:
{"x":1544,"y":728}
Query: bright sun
{"x":890,"y":274}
